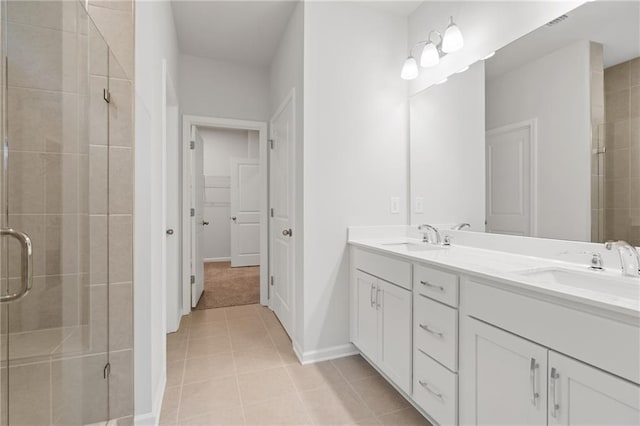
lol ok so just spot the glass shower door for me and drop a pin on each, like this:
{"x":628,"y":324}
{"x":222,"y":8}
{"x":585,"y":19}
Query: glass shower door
{"x":54,"y":337}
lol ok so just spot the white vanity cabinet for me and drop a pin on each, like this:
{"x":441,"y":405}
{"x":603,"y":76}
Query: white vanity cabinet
{"x":511,"y":380}
{"x":381,"y":323}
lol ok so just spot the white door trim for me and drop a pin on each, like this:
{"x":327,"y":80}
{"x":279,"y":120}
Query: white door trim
{"x":532,"y":126}
{"x":225,"y":123}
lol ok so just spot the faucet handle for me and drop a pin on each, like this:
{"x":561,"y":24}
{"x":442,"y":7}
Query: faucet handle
{"x":596,"y":262}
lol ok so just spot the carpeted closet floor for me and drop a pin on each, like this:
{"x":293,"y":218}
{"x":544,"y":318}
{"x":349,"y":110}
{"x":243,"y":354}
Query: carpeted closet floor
{"x":227,"y":286}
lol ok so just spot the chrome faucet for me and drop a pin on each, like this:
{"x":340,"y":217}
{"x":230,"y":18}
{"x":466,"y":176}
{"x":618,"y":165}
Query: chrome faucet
{"x":426,"y":236}
{"x":629,"y":257}
{"x":461,"y":226}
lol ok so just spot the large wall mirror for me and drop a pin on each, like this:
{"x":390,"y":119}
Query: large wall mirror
{"x":543,"y":138}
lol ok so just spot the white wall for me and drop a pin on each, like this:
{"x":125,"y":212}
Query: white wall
{"x":485,"y":25}
{"x":214,"y":88}
{"x":553,"y":89}
{"x":286,"y":73}
{"x":155,"y":40}
{"x":219,"y":147}
{"x":448,"y":150}
{"x":355,"y":151}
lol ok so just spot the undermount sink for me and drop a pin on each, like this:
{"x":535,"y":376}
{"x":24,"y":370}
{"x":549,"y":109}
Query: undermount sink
{"x":600,"y":282}
{"x":414,"y":246}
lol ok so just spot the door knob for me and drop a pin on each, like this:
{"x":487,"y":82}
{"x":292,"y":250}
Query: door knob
{"x":233,"y":218}
{"x":169,"y":231}
{"x":205,"y":223}
{"x":287,"y":232}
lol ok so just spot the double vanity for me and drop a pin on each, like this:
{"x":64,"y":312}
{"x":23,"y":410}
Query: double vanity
{"x":494,"y":329}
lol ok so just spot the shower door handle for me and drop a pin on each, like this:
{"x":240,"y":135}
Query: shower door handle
{"x":26,"y":266}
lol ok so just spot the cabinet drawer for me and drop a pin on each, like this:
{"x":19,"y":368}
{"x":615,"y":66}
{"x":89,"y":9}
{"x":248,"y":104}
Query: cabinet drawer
{"x":436,"y":284}
{"x":435,"y":330}
{"x":435,"y":389}
{"x":389,"y":269}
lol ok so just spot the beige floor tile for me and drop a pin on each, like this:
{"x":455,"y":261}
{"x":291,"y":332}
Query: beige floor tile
{"x":175,"y":371}
{"x":263,"y":385}
{"x":367,"y":422}
{"x":255,"y":359}
{"x":335,"y":406}
{"x":249,"y":338}
{"x":288,"y":410}
{"x":279,"y":336}
{"x":176,"y":348}
{"x":208,"y":329}
{"x":354,"y":367}
{"x":246,"y":324}
{"x":313,"y":376}
{"x":170,"y":404}
{"x":208,"y":367}
{"x":208,"y":315}
{"x":244,"y":311}
{"x":208,"y":346}
{"x":287,"y":354}
{"x":205,"y":397}
{"x":219,"y":417}
{"x":407,"y":417}
{"x":379,"y":395}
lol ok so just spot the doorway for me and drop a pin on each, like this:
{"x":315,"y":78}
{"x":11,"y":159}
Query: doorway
{"x":225,"y":210}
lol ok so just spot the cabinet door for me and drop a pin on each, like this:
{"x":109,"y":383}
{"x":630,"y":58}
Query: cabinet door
{"x":367,"y":316}
{"x":582,"y":395}
{"x":504,"y":376}
{"x":395,"y":334}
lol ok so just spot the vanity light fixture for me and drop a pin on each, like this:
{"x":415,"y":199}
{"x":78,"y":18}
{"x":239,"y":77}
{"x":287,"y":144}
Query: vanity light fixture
{"x":433,"y":50}
{"x":452,"y":40}
{"x":409,"y":69}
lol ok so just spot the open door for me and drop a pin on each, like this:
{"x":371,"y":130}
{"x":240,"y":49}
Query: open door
{"x":245,"y":212}
{"x":197,"y":223}
{"x":281,"y":170}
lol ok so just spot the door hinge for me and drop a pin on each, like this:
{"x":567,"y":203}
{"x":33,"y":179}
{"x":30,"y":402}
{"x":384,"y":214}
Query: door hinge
{"x":271,"y":211}
{"x":193,"y":279}
{"x":192,"y":212}
{"x":107,"y":370}
{"x":271,"y":143}
{"x":106,"y":95}
{"x":192,"y":145}
{"x":271,"y":280}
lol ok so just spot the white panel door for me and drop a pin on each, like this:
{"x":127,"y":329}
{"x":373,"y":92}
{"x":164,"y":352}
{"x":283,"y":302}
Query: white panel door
{"x":367,"y":315}
{"x":281,"y":241}
{"x":394,"y":316}
{"x":508,"y":159}
{"x":197,"y":222}
{"x":507,"y":375}
{"x":582,"y":395}
{"x":245,"y":212}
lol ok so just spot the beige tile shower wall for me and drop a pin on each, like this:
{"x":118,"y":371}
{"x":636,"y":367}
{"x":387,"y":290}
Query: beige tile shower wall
{"x":622,"y":166}
{"x":115,"y":20}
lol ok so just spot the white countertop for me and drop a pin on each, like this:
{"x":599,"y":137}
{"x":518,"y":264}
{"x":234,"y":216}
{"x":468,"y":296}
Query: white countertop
{"x":618,"y":294}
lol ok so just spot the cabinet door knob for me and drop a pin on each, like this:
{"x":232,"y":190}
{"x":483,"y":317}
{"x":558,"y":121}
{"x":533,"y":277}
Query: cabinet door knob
{"x":287,"y":232}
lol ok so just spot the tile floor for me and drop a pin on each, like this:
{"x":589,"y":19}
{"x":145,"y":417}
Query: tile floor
{"x":235,"y":366}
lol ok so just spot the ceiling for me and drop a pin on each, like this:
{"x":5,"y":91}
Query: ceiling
{"x":246,"y":32}
{"x":615,"y":24}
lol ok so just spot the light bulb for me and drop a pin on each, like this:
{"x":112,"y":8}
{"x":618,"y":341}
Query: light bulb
{"x":452,"y":40}
{"x":430,"y":56}
{"x":409,"y":69}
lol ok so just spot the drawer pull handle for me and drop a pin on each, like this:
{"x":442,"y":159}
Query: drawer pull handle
{"x":532,"y":376}
{"x":555,"y":405}
{"x":431,"y":331}
{"x":433,"y":286}
{"x":431,"y":391}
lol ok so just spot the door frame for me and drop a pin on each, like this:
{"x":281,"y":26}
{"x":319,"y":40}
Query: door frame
{"x":224,"y":123}
{"x":532,"y":126}
{"x":170,"y":129}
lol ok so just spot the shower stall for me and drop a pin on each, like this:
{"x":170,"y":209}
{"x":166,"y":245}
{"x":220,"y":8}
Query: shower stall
{"x":65,"y":350}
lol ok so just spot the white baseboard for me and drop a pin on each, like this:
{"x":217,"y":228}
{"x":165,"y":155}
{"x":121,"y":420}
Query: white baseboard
{"x":217,"y":259}
{"x":153,"y":418}
{"x":309,"y":357}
